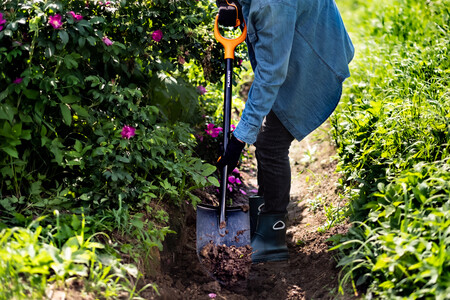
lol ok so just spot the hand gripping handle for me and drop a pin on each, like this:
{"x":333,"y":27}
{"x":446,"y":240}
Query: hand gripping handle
{"x":229,"y":44}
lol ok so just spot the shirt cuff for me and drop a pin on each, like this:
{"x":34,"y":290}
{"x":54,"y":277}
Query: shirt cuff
{"x":246,"y":132}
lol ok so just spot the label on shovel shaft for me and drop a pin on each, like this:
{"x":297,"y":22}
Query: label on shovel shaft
{"x":229,"y":79}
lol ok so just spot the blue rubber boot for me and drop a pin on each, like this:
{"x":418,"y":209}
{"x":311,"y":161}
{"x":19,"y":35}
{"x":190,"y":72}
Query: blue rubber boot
{"x":269,"y":239}
{"x":256,"y":203}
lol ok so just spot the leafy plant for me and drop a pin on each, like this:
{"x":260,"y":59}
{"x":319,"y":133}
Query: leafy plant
{"x":31,"y":260}
{"x":392,"y":138}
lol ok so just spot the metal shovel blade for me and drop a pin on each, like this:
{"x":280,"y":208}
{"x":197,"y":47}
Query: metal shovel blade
{"x":235,"y":231}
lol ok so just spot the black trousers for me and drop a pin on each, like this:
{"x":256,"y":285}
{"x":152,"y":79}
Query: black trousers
{"x":274,"y":170}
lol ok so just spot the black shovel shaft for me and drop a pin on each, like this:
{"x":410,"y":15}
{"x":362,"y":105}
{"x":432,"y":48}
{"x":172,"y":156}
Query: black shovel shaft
{"x":226,"y":134}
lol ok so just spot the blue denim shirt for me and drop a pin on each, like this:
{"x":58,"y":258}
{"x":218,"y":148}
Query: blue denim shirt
{"x":299,"y":51}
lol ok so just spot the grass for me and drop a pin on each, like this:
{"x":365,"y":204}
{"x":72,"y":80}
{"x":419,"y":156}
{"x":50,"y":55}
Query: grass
{"x":392,"y":132}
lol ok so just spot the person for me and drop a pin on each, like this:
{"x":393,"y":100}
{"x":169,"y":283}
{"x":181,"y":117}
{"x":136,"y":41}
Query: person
{"x":299,"y":51}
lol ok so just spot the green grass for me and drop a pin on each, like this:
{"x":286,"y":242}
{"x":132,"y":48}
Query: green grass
{"x":38,"y":260}
{"x":392,"y":131}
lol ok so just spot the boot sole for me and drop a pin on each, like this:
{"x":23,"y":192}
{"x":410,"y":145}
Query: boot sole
{"x":271,"y":257}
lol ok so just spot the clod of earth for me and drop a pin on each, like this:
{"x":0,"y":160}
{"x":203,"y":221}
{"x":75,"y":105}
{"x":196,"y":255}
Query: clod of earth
{"x":230,"y":265}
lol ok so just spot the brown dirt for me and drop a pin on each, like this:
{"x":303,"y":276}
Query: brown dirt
{"x":228,"y":265}
{"x":311,"y":272}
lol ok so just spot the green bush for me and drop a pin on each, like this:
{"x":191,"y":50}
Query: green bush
{"x":392,"y":134}
{"x":99,"y":104}
{"x":71,"y":84}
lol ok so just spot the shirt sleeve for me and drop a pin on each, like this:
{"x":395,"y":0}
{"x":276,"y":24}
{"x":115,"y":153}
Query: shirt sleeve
{"x":274,"y":24}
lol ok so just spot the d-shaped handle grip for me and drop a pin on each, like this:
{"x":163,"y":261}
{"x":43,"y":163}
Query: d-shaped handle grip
{"x":229,"y":44}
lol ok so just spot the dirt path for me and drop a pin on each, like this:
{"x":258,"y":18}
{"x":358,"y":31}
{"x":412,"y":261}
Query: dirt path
{"x":310,"y":273}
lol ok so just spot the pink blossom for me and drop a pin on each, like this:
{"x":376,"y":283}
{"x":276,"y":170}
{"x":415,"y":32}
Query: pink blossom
{"x":254,"y":191}
{"x":232,"y":127}
{"x":77,"y":17}
{"x":213,"y":132}
{"x":231,"y":179}
{"x":157,"y":35}
{"x":181,"y":60}
{"x":212,"y":295}
{"x":2,"y":21}
{"x":236,"y":171}
{"x":18,"y":80}
{"x":128,"y":132}
{"x":238,"y":181}
{"x":242,"y":192}
{"x":201,"y":89}
{"x":107,"y":41}
{"x":230,"y":188}
{"x":55,"y":21}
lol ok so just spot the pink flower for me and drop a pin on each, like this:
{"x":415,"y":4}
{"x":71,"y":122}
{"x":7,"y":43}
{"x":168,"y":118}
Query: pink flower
{"x":157,"y":35}
{"x":181,"y":60}
{"x":107,"y":41}
{"x":213,"y":132}
{"x":212,"y":295}
{"x":18,"y":80}
{"x":128,"y":132}
{"x":55,"y":21}
{"x":76,"y":16}
{"x":2,"y":21}
{"x":254,"y":191}
{"x":236,"y":171}
{"x":232,"y":127}
{"x":242,"y":192}
{"x":201,"y":89}
{"x":231,"y":179}
{"x":238,"y":181}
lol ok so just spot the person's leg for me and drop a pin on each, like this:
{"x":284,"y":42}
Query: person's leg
{"x":274,"y":179}
{"x":274,"y":171}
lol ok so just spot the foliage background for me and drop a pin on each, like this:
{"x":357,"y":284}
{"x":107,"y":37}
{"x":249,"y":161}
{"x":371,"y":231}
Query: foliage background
{"x":392,"y":132}
{"x":66,"y":93}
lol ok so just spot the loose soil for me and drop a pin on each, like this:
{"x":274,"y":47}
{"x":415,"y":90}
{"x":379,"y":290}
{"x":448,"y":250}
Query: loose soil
{"x":228,"y":265}
{"x":311,"y":272}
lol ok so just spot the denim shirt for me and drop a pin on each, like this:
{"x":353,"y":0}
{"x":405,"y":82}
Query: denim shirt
{"x":299,"y":51}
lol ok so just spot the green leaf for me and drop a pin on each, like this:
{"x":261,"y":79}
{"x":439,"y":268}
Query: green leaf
{"x":66,"y":114}
{"x":81,"y":41}
{"x":81,"y":111}
{"x":3,"y":95}
{"x":78,"y":146}
{"x":208,"y":170}
{"x":11,"y":151}
{"x":7,"y":112}
{"x":214,"y":181}
{"x":91,"y":40}
{"x":64,"y":36}
{"x":70,"y":62}
{"x":31,"y":94}
{"x":75,"y":223}
{"x":387,"y":285}
{"x":70,"y":99}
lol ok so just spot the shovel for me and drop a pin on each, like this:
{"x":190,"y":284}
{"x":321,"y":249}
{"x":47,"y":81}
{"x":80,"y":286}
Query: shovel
{"x":224,"y":225}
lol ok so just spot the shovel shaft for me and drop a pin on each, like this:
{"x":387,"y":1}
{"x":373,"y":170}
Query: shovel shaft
{"x":226,"y":134}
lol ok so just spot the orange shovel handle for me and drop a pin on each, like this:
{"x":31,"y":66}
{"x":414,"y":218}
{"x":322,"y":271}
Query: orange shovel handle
{"x":229,"y":44}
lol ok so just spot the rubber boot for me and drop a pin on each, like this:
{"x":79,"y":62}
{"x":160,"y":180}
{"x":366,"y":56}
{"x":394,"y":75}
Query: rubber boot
{"x":256,"y":203}
{"x":269,"y":239}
